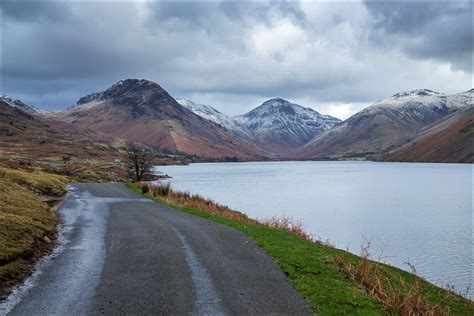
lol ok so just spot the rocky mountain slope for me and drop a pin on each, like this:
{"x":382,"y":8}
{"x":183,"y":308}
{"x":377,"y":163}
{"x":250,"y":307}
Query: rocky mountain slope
{"x":142,"y":111}
{"x":210,"y":113}
{"x":31,"y":136}
{"x":383,"y":126}
{"x":280,"y":126}
{"x":20,"y":105}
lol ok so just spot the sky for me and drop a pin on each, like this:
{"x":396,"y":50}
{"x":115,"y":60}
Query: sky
{"x":336,"y":57}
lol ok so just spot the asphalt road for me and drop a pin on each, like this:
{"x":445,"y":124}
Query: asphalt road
{"x":122,"y":254}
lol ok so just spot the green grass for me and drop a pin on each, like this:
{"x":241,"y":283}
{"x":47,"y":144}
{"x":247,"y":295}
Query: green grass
{"x":25,"y":221}
{"x":311,"y":270}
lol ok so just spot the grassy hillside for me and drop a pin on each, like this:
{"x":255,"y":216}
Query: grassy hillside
{"x":27,"y":223}
{"x":333,"y":281}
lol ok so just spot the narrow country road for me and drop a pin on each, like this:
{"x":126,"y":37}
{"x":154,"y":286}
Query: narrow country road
{"x":122,"y":254}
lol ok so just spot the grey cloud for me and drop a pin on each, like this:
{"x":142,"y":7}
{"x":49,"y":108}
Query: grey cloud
{"x":438,"y":30}
{"x":34,"y":11}
{"x":231,"y":53}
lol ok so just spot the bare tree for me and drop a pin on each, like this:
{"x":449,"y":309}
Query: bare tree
{"x":138,"y":162}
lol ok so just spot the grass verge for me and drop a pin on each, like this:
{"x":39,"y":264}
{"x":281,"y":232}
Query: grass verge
{"x":322,"y":274}
{"x":27,"y":222}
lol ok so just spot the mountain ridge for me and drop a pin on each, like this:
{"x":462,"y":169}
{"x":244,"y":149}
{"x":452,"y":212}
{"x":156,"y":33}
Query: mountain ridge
{"x":16,"y":103}
{"x":392,"y":129}
{"x":383,"y":126}
{"x":142,"y":111}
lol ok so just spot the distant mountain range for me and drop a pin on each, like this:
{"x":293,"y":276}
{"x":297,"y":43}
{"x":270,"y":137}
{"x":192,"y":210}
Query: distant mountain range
{"x":418,"y":125}
{"x":277,"y":125}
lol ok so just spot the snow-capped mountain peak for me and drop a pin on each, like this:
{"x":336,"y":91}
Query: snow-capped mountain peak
{"x":422,"y":100}
{"x":20,"y":105}
{"x":417,"y":92}
{"x":281,"y":125}
{"x":282,"y":112}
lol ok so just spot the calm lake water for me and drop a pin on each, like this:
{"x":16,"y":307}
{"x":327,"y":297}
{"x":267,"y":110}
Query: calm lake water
{"x":417,"y":213}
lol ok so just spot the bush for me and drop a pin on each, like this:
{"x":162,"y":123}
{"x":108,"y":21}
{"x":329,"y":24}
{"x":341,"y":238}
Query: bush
{"x":159,"y":189}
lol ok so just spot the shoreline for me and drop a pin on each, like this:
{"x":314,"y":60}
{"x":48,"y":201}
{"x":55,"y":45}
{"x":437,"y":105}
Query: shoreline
{"x":311,"y":266}
{"x":343,"y":267}
{"x":326,"y":161}
{"x":349,"y":203}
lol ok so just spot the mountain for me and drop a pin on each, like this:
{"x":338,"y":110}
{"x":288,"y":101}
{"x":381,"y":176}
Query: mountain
{"x":142,"y":111}
{"x":31,"y":136}
{"x":450,"y":139}
{"x":20,"y":105}
{"x":280,"y":126}
{"x":210,"y":113}
{"x":383,"y":126}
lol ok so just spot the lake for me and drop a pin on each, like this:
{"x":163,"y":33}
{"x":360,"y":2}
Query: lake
{"x":411,"y":212}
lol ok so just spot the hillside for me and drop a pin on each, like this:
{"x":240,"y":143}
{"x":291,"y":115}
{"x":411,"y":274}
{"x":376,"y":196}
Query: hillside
{"x":32,"y":136}
{"x":449,"y":140}
{"x":142,"y":111}
{"x":20,"y":105}
{"x":383,"y":126}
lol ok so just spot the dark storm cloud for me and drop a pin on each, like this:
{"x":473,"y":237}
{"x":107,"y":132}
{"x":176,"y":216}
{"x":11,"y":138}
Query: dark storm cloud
{"x":233,"y":55}
{"x":440,"y":30}
{"x":31,"y":11}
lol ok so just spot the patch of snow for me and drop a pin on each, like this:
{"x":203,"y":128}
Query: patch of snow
{"x":211,"y":114}
{"x":278,"y":114}
{"x":15,"y":103}
{"x":86,"y":106}
{"x":419,"y":102}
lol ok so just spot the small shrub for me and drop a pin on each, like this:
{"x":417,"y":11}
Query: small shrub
{"x":287,"y":223}
{"x":161,"y":190}
{"x":145,"y":188}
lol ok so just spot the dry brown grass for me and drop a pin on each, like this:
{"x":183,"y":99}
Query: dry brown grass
{"x":27,"y":223}
{"x":398,"y":296}
{"x":165,"y":192}
{"x":38,"y":182}
{"x":186,"y":199}
{"x":287,"y":223}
